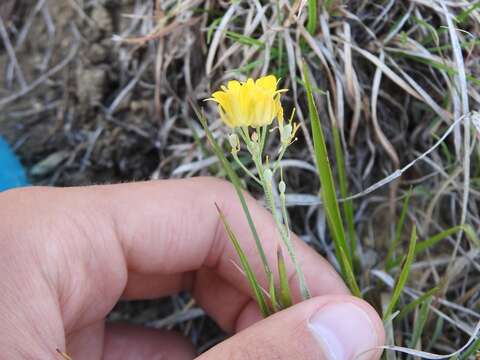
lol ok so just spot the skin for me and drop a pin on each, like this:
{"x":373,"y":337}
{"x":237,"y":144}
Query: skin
{"x":69,"y":254}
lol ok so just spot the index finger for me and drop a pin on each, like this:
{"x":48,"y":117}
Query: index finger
{"x":153,"y":238}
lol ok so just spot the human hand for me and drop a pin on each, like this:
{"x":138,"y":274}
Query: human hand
{"x":68,"y":255}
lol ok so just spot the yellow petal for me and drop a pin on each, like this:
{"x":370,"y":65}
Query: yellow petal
{"x":220,"y":97}
{"x":224,"y":117}
{"x":268,"y":83}
{"x":279,"y":110}
{"x":233,"y":85}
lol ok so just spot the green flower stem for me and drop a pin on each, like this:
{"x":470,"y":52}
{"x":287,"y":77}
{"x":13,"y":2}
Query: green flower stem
{"x":283,"y":206}
{"x":244,"y":168}
{"x":246,"y":137}
{"x":263,"y":137}
{"x":283,"y":148}
{"x":256,"y":150}
{"x":284,"y":232}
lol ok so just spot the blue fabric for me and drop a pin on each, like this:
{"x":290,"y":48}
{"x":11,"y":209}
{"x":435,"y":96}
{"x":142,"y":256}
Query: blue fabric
{"x":12,"y":174}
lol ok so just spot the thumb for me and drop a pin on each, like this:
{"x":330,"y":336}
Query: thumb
{"x":336,"y":327}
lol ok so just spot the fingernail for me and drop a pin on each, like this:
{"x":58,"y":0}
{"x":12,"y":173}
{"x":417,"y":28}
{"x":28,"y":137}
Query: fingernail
{"x":344,"y":331}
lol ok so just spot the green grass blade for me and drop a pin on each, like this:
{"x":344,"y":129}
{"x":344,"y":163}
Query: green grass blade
{"x":248,"y":67}
{"x":312,"y":16}
{"x":420,"y":322}
{"x":285,"y":293}
{"x":450,"y":70}
{"x":436,"y":334}
{"x":404,"y":273}
{"x":465,"y":14}
{"x":279,"y":39}
{"x":273,"y":295}
{"x":343,"y":185}
{"x":212,"y":28}
{"x":328,"y":191}
{"x":238,"y":188}
{"x":328,"y":4}
{"x":411,"y":306}
{"x":431,"y":241}
{"x":391,"y":260}
{"x":245,"y":40}
{"x":350,"y":276}
{"x":252,"y":280}
{"x":472,"y":351}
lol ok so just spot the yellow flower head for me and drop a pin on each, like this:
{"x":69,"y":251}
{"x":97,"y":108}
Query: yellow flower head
{"x":252,"y":103}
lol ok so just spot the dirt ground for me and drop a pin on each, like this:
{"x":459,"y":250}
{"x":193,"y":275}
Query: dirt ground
{"x":77,"y":127}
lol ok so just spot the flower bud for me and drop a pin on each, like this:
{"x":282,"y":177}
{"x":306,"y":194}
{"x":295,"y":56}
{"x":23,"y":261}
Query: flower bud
{"x":286,"y":133}
{"x":282,"y":187}
{"x":268,"y":175}
{"x":253,"y":148}
{"x":233,"y":140}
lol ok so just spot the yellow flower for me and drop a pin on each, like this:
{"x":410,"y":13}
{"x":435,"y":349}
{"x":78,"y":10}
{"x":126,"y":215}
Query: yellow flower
{"x":252,"y":103}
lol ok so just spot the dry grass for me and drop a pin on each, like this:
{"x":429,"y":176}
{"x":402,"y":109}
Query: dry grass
{"x":95,"y":91}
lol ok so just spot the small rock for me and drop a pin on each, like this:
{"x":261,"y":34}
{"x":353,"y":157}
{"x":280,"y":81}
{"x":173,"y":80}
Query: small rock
{"x":97,"y":53}
{"x":137,"y":106}
{"x":49,"y":164}
{"x":90,"y":85}
{"x":102,"y":18}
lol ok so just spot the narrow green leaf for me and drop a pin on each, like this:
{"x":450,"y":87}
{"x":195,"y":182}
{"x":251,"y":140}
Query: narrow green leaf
{"x":350,"y":276}
{"x":273,"y":295}
{"x":390,"y":261}
{"x":245,"y":40}
{"x":420,"y":322}
{"x":312,"y":16}
{"x":436,"y":64}
{"x":248,"y":67}
{"x":465,"y":14}
{"x":285,"y":293}
{"x":343,"y":184}
{"x":328,"y":192}
{"x":472,"y":351}
{"x":411,"y":306}
{"x":328,"y":4}
{"x":211,"y":28}
{"x":438,"y":331}
{"x":431,"y":241}
{"x":464,"y":45}
{"x":433,"y":35}
{"x":252,"y":280}
{"x":279,"y":39}
{"x":404,"y":273}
